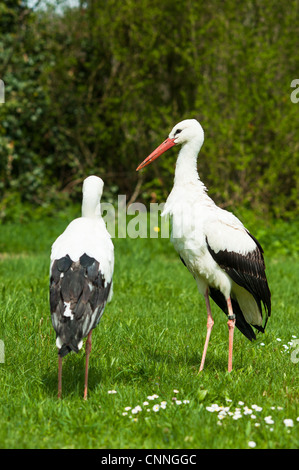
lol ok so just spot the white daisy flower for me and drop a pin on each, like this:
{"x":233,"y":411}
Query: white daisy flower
{"x":289,"y":423}
{"x":156,"y":408}
{"x":251,"y":444}
{"x":136,"y":410}
{"x":221,"y":416}
{"x":212,"y":408}
{"x":269,"y":420}
{"x":256,"y":407}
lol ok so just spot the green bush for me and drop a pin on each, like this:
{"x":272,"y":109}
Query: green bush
{"x":96,"y":88}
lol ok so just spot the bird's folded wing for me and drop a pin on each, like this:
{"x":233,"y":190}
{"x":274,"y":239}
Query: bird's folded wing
{"x":240,"y":255}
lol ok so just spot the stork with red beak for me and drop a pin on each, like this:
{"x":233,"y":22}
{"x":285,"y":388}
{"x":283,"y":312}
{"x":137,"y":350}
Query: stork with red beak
{"x":224,"y":258}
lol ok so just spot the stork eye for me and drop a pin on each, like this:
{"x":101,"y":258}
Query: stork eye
{"x":177,"y":131}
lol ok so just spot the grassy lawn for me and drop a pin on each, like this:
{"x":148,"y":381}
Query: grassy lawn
{"x":147,"y":348}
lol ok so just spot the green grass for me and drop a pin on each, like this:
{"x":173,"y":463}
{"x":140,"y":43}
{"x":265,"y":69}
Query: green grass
{"x":149,"y":341}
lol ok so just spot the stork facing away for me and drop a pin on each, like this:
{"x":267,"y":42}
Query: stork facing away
{"x":81,"y":270}
{"x":225,"y":260}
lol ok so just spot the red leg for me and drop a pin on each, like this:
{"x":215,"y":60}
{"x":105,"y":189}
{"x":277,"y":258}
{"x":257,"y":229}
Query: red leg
{"x":88,"y":350}
{"x":59,"y":376}
{"x":231,"y":326}
{"x":210,"y":323}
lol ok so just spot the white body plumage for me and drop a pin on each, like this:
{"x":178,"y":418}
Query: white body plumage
{"x":195,"y":219}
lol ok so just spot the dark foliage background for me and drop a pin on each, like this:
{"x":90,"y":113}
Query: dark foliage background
{"x":93,"y":89}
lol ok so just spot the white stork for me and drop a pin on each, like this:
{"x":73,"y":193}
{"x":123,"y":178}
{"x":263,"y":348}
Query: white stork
{"x":81,"y":270}
{"x":224,"y":258}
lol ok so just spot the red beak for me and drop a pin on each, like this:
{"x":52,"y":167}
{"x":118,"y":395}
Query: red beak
{"x":167,"y":144}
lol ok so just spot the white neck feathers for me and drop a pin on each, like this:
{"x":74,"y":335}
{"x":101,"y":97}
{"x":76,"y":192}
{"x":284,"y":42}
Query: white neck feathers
{"x":92,"y":192}
{"x":91,"y":206}
{"x":186,"y":167}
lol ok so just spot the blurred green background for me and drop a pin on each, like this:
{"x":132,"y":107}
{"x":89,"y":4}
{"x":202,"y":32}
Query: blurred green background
{"x":94,"y":88}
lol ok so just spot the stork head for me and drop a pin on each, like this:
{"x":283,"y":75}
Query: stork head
{"x":188,"y":131}
{"x":93,"y":186}
{"x":92,"y":192}
{"x":185,"y":131}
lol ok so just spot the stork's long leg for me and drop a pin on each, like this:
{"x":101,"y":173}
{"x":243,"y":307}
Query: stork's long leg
{"x":210,"y":323}
{"x":88,"y":350}
{"x":231,"y":326}
{"x":59,"y":376}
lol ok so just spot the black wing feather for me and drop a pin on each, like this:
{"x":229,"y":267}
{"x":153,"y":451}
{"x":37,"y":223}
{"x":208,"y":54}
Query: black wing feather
{"x":248,"y":271}
{"x":82,"y":285}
